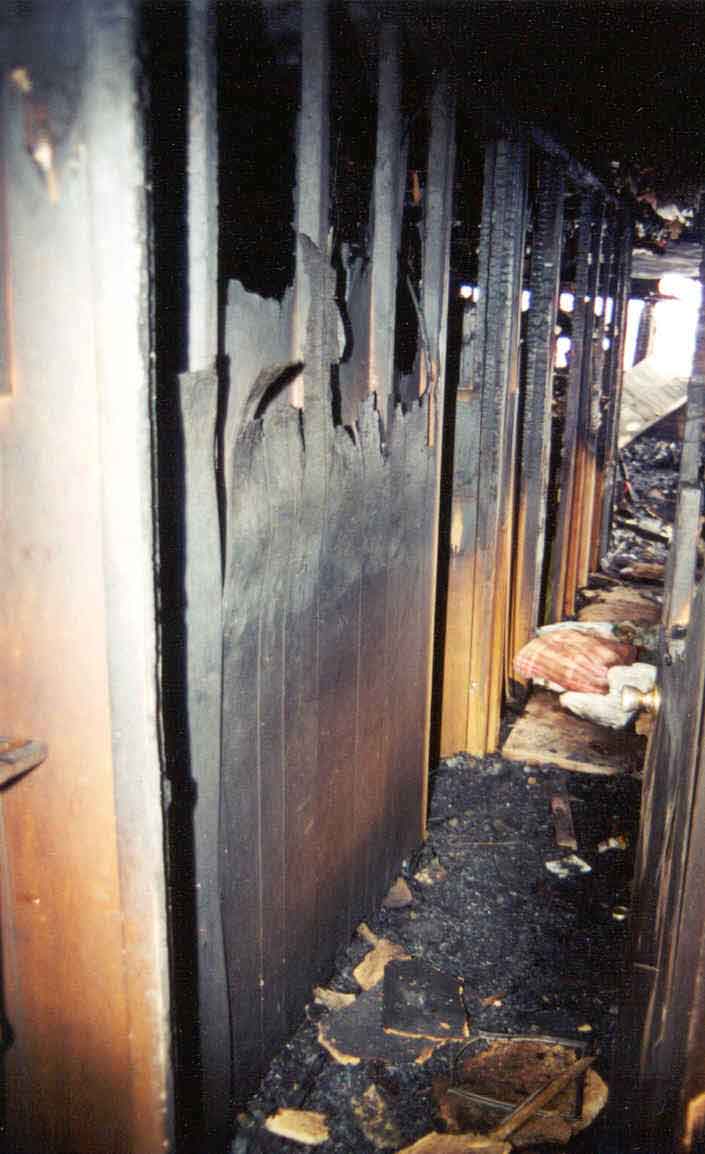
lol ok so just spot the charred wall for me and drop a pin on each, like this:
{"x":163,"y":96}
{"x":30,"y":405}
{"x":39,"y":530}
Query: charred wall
{"x":327,"y":471}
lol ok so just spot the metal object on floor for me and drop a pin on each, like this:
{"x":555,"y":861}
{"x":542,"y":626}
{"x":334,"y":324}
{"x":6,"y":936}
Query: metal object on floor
{"x":581,"y":1047}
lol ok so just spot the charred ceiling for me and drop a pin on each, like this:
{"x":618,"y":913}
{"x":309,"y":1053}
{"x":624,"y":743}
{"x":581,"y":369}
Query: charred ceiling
{"x":618,"y":83}
{"x":612,"y":79}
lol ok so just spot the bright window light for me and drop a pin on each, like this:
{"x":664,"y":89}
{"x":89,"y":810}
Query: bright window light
{"x":683,"y":288}
{"x":562,"y":350}
{"x":674,"y":323}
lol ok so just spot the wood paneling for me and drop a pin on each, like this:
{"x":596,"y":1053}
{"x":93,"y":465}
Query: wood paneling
{"x":660,"y":1085}
{"x":83,"y":895}
{"x":463,"y":527}
{"x":594,"y":402}
{"x":613,"y":383}
{"x":202,"y":593}
{"x":566,"y":549}
{"x":480,"y":565}
{"x":535,"y":449}
{"x":327,"y":604}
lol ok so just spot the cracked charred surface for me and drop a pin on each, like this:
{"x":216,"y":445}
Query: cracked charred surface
{"x":539,"y":954}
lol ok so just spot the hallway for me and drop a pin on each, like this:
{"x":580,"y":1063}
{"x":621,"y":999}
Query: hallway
{"x":539,"y":954}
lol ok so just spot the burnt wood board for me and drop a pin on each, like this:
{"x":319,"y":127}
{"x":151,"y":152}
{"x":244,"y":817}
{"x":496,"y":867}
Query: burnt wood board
{"x":548,"y":734}
{"x":423,"y":1002}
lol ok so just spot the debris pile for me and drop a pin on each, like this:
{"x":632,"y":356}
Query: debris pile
{"x":543,"y":1091}
{"x":642,"y":525}
{"x":613,"y":647}
{"x":484,"y":976}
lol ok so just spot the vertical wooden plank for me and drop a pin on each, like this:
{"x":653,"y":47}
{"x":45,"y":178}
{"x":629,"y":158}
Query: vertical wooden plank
{"x":282,"y":451}
{"x":271,"y":633}
{"x":691,"y":1118}
{"x":202,"y":187}
{"x":202,"y":567}
{"x":339,"y":579}
{"x":400,"y":633}
{"x":438,"y":219}
{"x":382,"y":507}
{"x":307,"y":798}
{"x":312,"y":167}
{"x":610,"y":335}
{"x":500,"y":283}
{"x":593,"y":401}
{"x":459,"y":730}
{"x":372,"y":687}
{"x":561,"y":552}
{"x":412,"y":463}
{"x":263,"y":520}
{"x":644,"y":332}
{"x":241,"y":806}
{"x":202,"y":586}
{"x":387,"y":205}
{"x":125,"y":388}
{"x":83,"y":891}
{"x":7,"y":371}
{"x":680,"y":575}
{"x":576,"y":510}
{"x":414,"y":453}
{"x":613,"y":383}
{"x":466,"y":462}
{"x":536,"y":431}
{"x":300,"y":707}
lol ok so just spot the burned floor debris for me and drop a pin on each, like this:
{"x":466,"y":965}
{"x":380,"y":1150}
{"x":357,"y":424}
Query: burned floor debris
{"x":528,"y":961}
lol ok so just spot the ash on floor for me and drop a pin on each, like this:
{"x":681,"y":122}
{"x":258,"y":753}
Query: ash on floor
{"x":540,"y":954}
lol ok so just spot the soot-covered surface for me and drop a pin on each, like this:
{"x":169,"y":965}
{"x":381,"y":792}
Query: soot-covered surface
{"x":547,"y":950}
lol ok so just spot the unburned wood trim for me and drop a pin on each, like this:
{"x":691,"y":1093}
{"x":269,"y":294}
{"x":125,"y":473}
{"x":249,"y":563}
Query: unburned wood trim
{"x":463,"y":528}
{"x":119,"y":242}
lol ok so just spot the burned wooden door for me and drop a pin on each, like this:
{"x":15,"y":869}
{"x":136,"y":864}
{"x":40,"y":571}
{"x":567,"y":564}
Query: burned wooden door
{"x":659,"y":1075}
